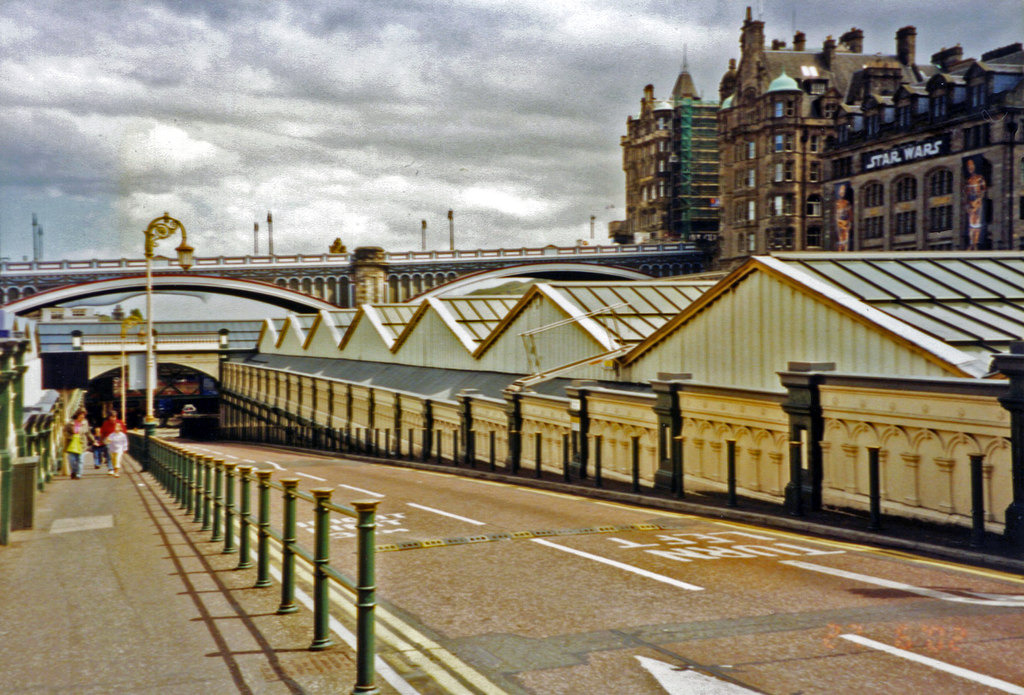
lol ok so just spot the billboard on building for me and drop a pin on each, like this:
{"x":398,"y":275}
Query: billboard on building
{"x":976,"y":175}
{"x":842,"y":209}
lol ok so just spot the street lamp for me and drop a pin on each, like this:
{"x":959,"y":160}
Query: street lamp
{"x":125,"y":325}
{"x":160,"y":228}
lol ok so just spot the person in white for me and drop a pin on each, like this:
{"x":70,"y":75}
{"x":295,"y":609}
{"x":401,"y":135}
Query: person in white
{"x":117,"y":444}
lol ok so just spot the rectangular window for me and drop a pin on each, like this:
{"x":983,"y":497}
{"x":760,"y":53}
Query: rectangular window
{"x":789,"y":142}
{"x":814,"y":208}
{"x":815,"y":143}
{"x":940,"y":219}
{"x":777,"y":205}
{"x":873,"y":227}
{"x":751,"y":177}
{"x":751,"y":149}
{"x":814,"y":171}
{"x":751,"y":211}
{"x":778,"y":171}
{"x":788,"y":171}
{"x":906,"y":222}
{"x":778,"y":109}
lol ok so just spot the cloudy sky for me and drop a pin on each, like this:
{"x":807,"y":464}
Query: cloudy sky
{"x":358,"y":119}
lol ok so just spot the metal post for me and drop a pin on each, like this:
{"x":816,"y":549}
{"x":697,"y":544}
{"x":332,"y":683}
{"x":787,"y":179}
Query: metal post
{"x":366,"y":597}
{"x":796,"y":485}
{"x":440,"y":445}
{"x":636,"y":462}
{"x":288,"y":538}
{"x":218,"y":501}
{"x":207,"y":492}
{"x":598,"y":441}
{"x":229,"y":506}
{"x":244,"y":518}
{"x":199,"y":498}
{"x":977,"y":502}
{"x":387,"y":443}
{"x":455,"y":448}
{"x":875,"y":522}
{"x":731,"y":470}
{"x":190,"y":484}
{"x":321,"y":556}
{"x":492,"y":451}
{"x":565,"y":458}
{"x":263,"y":529}
{"x":678,"y":485}
{"x":537,"y":443}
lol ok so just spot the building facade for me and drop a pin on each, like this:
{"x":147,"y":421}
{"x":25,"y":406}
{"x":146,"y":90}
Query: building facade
{"x":930,"y":163}
{"x":669,"y":156}
{"x":779,"y":108}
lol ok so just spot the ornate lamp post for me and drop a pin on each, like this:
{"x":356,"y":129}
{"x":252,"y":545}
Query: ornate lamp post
{"x":125,"y":325}
{"x":160,"y":228}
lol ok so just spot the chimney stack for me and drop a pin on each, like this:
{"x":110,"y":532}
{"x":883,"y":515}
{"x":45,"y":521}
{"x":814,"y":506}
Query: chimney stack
{"x":947,"y":57}
{"x":853,"y":40}
{"x":906,"y":45}
{"x":828,"y":50}
{"x":799,"y":41}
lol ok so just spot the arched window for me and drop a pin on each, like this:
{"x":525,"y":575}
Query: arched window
{"x":906,"y":189}
{"x":874,"y":195}
{"x":940,"y":183}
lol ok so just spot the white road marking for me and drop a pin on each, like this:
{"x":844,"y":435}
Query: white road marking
{"x":81,"y":523}
{"x":359,"y":489}
{"x":936,"y":664}
{"x":448,"y":514}
{"x":227,"y":455}
{"x":280,"y":468}
{"x":620,"y":565}
{"x":307,"y":475}
{"x":1017,"y":602}
{"x":683,"y":681}
{"x":248,"y":461}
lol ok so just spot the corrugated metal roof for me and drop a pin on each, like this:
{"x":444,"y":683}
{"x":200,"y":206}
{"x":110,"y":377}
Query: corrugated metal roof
{"x":631,"y":311}
{"x":973,"y":302}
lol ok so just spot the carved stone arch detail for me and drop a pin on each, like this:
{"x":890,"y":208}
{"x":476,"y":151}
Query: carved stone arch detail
{"x":994,"y":445}
{"x":918,"y":438}
{"x":960,"y":439}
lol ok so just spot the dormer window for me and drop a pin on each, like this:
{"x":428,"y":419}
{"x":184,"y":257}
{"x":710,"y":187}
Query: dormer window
{"x":872,"y":125}
{"x":976,"y":95}
{"x":904,"y":116}
{"x":937,"y":106}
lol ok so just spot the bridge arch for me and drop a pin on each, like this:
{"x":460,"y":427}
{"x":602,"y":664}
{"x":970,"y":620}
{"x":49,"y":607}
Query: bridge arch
{"x":283,"y":297}
{"x":549,"y":271}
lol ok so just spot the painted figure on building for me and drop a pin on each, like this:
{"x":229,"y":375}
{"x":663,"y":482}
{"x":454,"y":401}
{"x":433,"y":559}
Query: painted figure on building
{"x":975,"y":188}
{"x":844,"y":215}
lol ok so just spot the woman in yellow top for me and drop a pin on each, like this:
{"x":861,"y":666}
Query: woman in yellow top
{"x":77,"y":438}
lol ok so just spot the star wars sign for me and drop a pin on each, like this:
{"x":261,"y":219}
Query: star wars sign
{"x":905,"y":153}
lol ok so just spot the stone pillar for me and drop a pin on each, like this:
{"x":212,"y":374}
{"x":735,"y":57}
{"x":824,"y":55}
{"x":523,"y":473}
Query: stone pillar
{"x":467,"y":443}
{"x":1012,"y":365}
{"x":670,"y":427}
{"x":369,"y":275}
{"x":514,"y":413}
{"x":804,"y":409}
{"x":579,"y":417}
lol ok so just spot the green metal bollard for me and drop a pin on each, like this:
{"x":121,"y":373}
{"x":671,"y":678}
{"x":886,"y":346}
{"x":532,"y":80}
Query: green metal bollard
{"x":218,"y":501}
{"x":288,"y":533}
{"x":263,"y":529}
{"x":190,"y":486}
{"x":366,"y":597}
{"x":321,"y":556}
{"x":229,"y":507}
{"x":207,"y":492}
{"x":197,"y":502}
{"x":244,"y":518}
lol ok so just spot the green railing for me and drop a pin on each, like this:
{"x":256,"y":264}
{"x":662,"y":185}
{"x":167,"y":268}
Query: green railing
{"x":205,"y":488}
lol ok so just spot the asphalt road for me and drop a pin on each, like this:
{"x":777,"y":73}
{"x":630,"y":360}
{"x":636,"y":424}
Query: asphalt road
{"x":494,"y":588}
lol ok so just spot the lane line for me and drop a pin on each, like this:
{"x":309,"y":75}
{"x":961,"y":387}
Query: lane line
{"x":620,"y":565}
{"x":684,"y":681}
{"x":448,"y":514}
{"x":909,"y":588}
{"x":359,"y":489}
{"x":313,"y":477}
{"x":936,"y":664}
{"x":278,"y":467}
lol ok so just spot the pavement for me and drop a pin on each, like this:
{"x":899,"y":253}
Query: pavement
{"x":115,"y":590}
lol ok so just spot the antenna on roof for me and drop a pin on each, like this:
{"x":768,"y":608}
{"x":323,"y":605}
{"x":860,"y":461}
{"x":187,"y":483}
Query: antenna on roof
{"x":686,"y":62}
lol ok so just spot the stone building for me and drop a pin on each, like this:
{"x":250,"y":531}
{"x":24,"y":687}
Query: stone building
{"x":669,"y":155}
{"x":779,"y":106}
{"x":927,"y":160}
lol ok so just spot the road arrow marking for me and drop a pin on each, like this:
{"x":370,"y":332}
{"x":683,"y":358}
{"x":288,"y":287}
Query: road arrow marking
{"x":683,"y":681}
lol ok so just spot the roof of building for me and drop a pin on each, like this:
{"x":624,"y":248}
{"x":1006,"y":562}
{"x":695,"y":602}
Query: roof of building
{"x":57,"y":336}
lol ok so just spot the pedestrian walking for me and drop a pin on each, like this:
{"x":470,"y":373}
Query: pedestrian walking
{"x":99,"y":451}
{"x":76,"y":439}
{"x":117,"y":444}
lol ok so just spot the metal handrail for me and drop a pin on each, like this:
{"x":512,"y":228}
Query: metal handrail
{"x":205,"y":487}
